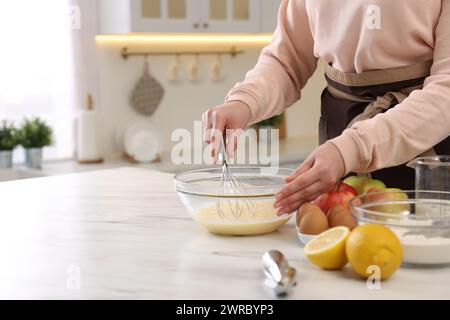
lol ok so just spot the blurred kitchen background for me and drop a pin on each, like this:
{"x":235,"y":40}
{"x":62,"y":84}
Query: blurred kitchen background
{"x":78,"y":66}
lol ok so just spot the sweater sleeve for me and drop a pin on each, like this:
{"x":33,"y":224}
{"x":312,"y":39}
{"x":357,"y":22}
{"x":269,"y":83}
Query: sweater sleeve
{"x":417,"y":124}
{"x":283,"y":67}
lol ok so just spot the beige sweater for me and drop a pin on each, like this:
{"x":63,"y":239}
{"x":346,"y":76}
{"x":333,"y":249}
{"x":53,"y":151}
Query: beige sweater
{"x":358,"y":36}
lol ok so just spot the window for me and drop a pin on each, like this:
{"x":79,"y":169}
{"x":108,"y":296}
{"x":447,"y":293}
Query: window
{"x":37,"y":69}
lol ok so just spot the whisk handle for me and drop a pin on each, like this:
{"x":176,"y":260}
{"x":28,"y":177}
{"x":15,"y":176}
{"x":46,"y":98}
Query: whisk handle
{"x":223,"y":157}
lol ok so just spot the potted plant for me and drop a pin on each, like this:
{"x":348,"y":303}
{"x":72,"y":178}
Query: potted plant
{"x":269,"y":124}
{"x":8,"y":141}
{"x":34,"y":135}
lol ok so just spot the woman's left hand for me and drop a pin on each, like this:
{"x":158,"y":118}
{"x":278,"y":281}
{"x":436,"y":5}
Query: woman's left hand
{"x":318,"y":174}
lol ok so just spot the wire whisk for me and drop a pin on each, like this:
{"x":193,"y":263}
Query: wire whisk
{"x":230,"y":187}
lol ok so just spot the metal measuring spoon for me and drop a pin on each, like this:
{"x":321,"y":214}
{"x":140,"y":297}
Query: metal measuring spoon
{"x":280,"y":277}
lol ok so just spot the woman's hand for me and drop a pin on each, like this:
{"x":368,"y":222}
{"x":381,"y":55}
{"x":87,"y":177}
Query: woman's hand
{"x":317,"y":175}
{"x":233,"y":117}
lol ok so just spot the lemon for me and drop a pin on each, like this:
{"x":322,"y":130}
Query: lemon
{"x":372,"y":245}
{"x":327,"y":250}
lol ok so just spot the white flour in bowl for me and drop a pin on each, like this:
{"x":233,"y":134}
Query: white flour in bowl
{"x":421,"y":250}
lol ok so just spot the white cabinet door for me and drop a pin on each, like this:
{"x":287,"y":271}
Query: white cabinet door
{"x":231,"y":16}
{"x":165,"y":15}
{"x":185,"y":16}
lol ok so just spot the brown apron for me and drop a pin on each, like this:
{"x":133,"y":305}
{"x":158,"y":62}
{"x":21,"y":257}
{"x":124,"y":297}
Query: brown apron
{"x":351,"y":97}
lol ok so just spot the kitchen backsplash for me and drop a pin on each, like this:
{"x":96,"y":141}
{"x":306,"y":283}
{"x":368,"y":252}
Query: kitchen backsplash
{"x":183,"y":102}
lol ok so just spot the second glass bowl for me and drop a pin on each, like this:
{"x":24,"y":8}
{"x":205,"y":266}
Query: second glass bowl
{"x":420,"y":219}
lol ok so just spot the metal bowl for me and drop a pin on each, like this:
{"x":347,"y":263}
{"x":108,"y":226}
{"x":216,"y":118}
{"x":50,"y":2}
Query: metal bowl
{"x":420,"y":219}
{"x":198,"y":192}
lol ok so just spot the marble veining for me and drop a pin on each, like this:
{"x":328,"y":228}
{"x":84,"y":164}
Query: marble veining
{"x":122,"y":233}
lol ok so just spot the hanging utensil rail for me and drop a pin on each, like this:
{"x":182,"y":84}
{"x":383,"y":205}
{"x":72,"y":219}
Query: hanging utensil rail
{"x":233,"y":51}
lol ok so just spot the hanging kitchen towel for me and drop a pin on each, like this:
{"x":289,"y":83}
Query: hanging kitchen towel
{"x":147,"y":94}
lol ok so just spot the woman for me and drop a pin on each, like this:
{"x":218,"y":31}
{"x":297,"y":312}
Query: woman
{"x":388,"y":94}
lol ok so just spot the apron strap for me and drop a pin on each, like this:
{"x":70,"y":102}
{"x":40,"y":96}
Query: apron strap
{"x":370,"y":78}
{"x":381,"y":103}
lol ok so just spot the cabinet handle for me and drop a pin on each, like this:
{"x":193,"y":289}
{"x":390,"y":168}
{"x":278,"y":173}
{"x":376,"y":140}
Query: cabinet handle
{"x":206,"y":25}
{"x":196,"y":25}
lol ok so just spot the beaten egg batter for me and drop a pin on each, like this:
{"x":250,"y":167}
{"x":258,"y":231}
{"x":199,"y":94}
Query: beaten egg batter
{"x":264,"y":219}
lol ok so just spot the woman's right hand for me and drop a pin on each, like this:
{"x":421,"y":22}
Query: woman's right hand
{"x":229,"y":119}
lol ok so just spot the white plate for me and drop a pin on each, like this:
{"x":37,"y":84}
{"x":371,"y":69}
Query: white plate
{"x":142,"y":143}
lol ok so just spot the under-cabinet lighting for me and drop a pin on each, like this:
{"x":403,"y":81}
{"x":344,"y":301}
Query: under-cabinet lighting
{"x":187,"y":39}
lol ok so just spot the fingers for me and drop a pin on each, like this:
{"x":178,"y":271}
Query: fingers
{"x":216,"y":137}
{"x":233,"y":115}
{"x":213,"y":133}
{"x":212,"y":121}
{"x":214,"y":126}
{"x":206,"y":123}
{"x":317,"y":175}
{"x":295,"y":200}
{"x":232,"y":141}
{"x":290,"y":208}
{"x":305,"y":166}
{"x":303,"y":181}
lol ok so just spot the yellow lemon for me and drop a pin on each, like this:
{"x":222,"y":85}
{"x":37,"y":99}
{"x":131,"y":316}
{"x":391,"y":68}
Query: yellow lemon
{"x":327,"y":250}
{"x":372,"y":247}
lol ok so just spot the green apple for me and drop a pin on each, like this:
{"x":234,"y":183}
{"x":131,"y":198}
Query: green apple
{"x":362,"y":184}
{"x":374,"y":184}
{"x":355,"y":182}
{"x":397,"y":196}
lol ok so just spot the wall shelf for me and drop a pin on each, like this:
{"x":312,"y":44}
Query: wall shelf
{"x":126,"y":53}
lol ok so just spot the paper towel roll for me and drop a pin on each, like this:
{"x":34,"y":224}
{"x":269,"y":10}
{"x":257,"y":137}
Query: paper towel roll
{"x":87,"y":138}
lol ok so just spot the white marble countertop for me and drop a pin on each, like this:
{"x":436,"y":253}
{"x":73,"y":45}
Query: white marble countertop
{"x":122,"y":233}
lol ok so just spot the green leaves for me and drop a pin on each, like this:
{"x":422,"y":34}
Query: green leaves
{"x":35,"y":133}
{"x":271,"y":122}
{"x":8,"y":136}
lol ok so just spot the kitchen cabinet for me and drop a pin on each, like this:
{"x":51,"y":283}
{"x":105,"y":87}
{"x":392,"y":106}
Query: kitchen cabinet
{"x":231,"y":15}
{"x":184,"y":16}
{"x":165,"y":15}
{"x":123,"y":234}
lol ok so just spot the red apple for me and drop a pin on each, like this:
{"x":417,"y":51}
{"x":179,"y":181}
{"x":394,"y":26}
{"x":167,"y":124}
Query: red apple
{"x":346,"y":187}
{"x":322,"y":202}
{"x":340,"y":198}
{"x":334,"y":198}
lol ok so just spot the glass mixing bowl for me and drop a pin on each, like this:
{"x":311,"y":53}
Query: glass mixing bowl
{"x":199,"y":192}
{"x":420,"y":219}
